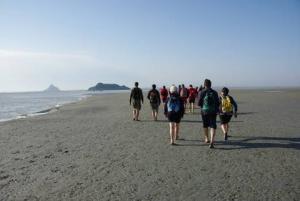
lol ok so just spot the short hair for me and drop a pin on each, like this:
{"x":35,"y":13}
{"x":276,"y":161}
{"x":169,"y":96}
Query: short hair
{"x":191,"y":85}
{"x":225,"y":90}
{"x":153,"y":86}
{"x":207,"y":83}
{"x":164,"y":86}
{"x":136,"y":84}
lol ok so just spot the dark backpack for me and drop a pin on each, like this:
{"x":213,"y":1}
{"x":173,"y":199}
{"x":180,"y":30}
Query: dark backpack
{"x":153,"y":97}
{"x":209,"y":102}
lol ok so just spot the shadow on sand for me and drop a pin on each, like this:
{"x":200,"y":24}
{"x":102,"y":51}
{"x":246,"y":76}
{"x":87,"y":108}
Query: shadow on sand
{"x":261,"y":142}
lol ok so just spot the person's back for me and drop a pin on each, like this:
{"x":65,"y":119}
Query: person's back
{"x":137,"y":98}
{"x":209,"y":103}
{"x":153,"y":96}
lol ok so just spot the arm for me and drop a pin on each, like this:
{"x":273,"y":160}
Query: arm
{"x":200,"y":102}
{"x":181,"y":107}
{"x":130,"y":98}
{"x":142,"y":96}
{"x":158,"y":97}
{"x":166,"y":108}
{"x":148,"y":96}
{"x":234,"y":105}
{"x":218,"y":102}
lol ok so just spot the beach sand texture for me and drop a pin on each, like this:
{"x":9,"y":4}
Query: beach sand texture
{"x":92,"y":150}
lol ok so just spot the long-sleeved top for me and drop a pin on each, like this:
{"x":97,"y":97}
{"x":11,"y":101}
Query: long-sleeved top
{"x":215,"y":97}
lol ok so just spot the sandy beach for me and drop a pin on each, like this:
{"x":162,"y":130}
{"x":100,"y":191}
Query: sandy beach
{"x":92,"y":150}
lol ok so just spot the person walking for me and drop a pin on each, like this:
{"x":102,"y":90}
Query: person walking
{"x":192,"y":97}
{"x":174,"y":111}
{"x":209,"y":103}
{"x":137,"y":99}
{"x":184,"y":94}
{"x":153,"y":96}
{"x":228,"y":107}
{"x":164,"y":94}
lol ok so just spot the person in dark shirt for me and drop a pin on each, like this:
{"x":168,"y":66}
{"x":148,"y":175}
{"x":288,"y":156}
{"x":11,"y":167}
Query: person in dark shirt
{"x":153,"y":96}
{"x":137,"y":99}
{"x":228,"y":107}
{"x":209,"y":103}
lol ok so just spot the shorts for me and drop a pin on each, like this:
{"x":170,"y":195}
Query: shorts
{"x":174,"y":117}
{"x":184,"y":99}
{"x":209,"y":120}
{"x":191,"y":100}
{"x":164,"y":99}
{"x":154,"y":106}
{"x":225,"y":118}
{"x":137,"y":105}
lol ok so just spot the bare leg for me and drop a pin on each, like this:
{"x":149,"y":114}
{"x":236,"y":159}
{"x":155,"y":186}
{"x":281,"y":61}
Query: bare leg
{"x":155,"y":115}
{"x":206,"y":135}
{"x":137,"y":115}
{"x":134,"y":114}
{"x":223,"y":126}
{"x":171,"y":125}
{"x":176,"y":131}
{"x":212,"y":135}
{"x":192,"y":107}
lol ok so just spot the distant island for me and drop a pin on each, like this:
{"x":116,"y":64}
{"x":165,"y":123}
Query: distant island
{"x":52,"y":88}
{"x":101,"y":87}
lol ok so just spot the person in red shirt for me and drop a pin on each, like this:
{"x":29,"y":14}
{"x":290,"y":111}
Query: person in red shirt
{"x":192,"y":96}
{"x":163,"y":94}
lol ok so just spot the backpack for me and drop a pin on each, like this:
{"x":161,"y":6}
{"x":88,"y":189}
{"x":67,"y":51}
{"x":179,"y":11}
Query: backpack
{"x":153,"y":97}
{"x":226,"y":104}
{"x":209,"y":102}
{"x":173,"y":104}
{"x":183,"y":92}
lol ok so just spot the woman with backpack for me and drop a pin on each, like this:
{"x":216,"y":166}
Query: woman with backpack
{"x":153,"y":96}
{"x":228,"y":107}
{"x":174,"y":111}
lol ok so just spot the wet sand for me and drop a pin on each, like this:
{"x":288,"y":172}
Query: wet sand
{"x":92,"y":150}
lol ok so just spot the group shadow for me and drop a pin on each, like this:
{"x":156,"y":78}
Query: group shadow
{"x":235,"y":143}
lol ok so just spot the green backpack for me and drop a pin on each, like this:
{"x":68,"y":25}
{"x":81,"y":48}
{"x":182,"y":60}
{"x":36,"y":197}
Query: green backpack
{"x":209,"y":103}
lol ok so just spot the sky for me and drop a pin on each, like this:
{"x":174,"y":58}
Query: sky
{"x":75,"y":44}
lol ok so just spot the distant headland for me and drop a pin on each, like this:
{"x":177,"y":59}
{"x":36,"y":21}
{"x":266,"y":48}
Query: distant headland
{"x":101,"y":87}
{"x":52,"y":88}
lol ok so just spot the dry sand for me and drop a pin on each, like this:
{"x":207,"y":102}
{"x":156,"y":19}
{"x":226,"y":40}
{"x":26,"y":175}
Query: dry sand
{"x":92,"y":150}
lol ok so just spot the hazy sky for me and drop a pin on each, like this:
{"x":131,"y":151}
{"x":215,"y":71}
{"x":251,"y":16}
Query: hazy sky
{"x":75,"y":44}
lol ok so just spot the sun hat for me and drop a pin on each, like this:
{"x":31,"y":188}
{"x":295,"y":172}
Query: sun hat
{"x":173,"y":89}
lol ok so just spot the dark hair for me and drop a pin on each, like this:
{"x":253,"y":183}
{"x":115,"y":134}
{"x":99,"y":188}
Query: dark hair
{"x":191,"y":85}
{"x":164,"y":86}
{"x":207,"y":83}
{"x":136,"y":84}
{"x":153,"y":86}
{"x":225,"y":90}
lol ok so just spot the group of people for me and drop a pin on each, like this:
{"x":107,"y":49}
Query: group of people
{"x":175,"y":102}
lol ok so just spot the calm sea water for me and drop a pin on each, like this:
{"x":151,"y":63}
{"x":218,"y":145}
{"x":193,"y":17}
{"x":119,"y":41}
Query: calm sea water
{"x":20,"y":105}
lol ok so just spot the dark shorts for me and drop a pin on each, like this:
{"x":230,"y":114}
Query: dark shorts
{"x":184,"y":99}
{"x":154,"y":106}
{"x":164,"y":99}
{"x":174,"y":117}
{"x":209,"y":120}
{"x":137,"y":104}
{"x":225,"y":118}
{"x":191,"y":100}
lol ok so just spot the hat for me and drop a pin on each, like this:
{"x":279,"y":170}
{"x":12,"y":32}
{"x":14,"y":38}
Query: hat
{"x":173,"y":89}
